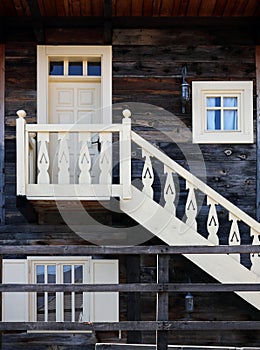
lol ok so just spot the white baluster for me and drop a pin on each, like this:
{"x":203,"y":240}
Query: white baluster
{"x":147,"y":175}
{"x":212,"y":222}
{"x":169,"y":191}
{"x":105,"y":159}
{"x":63,"y":159}
{"x":191,"y":207}
{"x":21,"y":155}
{"x":84,"y":159}
{"x":234,"y":235}
{"x":255,"y":257}
{"x":43,"y":161}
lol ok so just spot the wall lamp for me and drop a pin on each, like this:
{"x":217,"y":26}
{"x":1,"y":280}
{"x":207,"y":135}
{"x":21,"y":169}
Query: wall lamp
{"x":189,"y":303}
{"x":185,"y":90}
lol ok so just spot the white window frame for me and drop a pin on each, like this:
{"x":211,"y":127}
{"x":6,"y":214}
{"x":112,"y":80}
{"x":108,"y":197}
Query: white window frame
{"x":58,"y":261}
{"x":243,"y":90}
{"x":45,"y":53}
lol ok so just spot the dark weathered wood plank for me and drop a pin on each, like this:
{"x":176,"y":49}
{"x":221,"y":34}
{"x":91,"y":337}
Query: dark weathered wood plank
{"x":92,"y":250}
{"x":160,"y":288}
{"x":257,"y":58}
{"x":162,"y":312}
{"x":132,"y":325}
{"x":2,"y":132}
{"x":133,"y":299}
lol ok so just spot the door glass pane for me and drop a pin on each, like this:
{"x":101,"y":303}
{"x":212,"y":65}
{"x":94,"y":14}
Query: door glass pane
{"x":78,"y":273}
{"x":51,"y":269}
{"x":67,"y":300}
{"x":75,"y":68}
{"x":67,"y":273}
{"x":51,"y":273}
{"x":40,"y":306}
{"x":39,"y":273}
{"x":94,"y":68}
{"x":56,"y":68}
{"x":40,"y":296}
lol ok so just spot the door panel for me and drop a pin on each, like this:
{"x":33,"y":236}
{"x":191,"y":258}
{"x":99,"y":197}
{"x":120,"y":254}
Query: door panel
{"x":74,"y":103}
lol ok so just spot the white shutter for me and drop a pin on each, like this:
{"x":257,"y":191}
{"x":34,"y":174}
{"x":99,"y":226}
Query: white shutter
{"x":104,"y":306}
{"x":15,"y":305}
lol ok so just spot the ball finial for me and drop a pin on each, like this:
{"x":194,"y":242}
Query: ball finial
{"x":21,"y":113}
{"x":127,"y":113}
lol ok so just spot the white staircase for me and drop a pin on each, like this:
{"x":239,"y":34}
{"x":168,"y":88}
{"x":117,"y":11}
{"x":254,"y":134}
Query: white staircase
{"x":163,"y":222}
{"x":34,"y":180}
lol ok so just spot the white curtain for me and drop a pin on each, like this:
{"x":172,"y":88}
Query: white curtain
{"x":214,"y":116}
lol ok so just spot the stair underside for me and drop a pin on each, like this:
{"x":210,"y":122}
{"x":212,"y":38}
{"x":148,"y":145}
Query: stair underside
{"x":171,"y":230}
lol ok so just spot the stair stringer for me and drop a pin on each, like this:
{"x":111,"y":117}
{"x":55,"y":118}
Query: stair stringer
{"x":173,"y":231}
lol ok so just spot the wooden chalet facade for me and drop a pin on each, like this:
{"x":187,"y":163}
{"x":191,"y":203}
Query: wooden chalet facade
{"x":115,"y":114}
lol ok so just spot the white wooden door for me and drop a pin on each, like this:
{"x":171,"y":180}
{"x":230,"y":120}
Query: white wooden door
{"x":74,"y":103}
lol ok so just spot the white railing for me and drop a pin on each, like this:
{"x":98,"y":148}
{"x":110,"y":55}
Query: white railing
{"x":59,"y":161}
{"x":194,"y":185}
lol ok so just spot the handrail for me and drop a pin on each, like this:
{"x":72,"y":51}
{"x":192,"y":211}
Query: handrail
{"x":197,"y":183}
{"x":73,"y":128}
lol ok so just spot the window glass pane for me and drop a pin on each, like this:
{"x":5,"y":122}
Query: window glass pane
{"x":67,"y":273}
{"x":51,"y":273}
{"x":40,"y":306}
{"x":67,"y":306}
{"x":230,"y":120}
{"x":213,"y":101}
{"x":56,"y":68}
{"x":230,"y":101}
{"x":39,"y":273}
{"x":94,"y":68}
{"x":78,"y":306}
{"x":78,"y":273}
{"x":75,"y":68}
{"x":213,"y":120}
{"x":51,"y":306}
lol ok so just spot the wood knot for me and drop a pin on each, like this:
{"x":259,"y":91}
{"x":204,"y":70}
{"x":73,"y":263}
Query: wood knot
{"x":228,"y":152}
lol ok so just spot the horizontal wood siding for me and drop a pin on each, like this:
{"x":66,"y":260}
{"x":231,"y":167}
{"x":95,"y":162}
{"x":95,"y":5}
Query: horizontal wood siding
{"x":147,"y":67}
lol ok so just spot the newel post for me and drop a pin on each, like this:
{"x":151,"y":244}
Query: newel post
{"x":20,"y":153}
{"x":125,"y":155}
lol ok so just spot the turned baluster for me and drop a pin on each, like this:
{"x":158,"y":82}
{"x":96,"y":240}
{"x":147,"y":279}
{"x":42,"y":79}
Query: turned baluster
{"x":255,"y":257}
{"x":212,"y":222}
{"x":191,"y":207}
{"x":105,"y":159}
{"x":84,"y":159}
{"x":147,"y":175}
{"x":169,"y":191}
{"x":234,"y":235}
{"x":43,"y":160}
{"x":63,"y":159}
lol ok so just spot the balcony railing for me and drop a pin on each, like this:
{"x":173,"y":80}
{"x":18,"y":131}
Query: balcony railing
{"x":60,"y":161}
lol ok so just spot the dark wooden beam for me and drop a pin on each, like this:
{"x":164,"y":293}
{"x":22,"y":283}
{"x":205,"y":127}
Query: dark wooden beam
{"x":37,"y":21}
{"x":132,"y":288}
{"x":108,"y":22}
{"x":257,"y":59}
{"x":133,"y":299}
{"x":102,"y":250}
{"x":132,"y":325}
{"x":2,"y":132}
{"x":162,"y":311}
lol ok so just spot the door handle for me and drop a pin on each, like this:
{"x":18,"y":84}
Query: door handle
{"x":98,"y":144}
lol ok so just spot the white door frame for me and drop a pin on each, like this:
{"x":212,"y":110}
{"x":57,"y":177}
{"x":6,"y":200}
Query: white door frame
{"x":45,"y":52}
